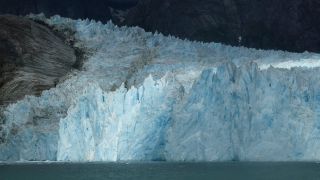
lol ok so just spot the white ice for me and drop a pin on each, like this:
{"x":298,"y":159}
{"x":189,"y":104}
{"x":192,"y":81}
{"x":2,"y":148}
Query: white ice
{"x":143,"y":96}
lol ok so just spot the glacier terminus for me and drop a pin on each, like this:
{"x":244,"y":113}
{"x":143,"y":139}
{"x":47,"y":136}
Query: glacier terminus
{"x":142,"y":96}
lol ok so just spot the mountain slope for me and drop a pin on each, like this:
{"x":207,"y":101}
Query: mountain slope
{"x":32,"y":58}
{"x":274,"y":24}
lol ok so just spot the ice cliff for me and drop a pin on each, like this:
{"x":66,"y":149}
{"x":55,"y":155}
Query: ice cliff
{"x":144,"y":96}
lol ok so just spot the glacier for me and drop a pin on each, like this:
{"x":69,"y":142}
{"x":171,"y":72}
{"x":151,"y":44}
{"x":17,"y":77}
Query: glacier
{"x":143,"y":96}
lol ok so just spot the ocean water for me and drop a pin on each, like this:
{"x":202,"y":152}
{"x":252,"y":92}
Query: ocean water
{"x":161,"y":171}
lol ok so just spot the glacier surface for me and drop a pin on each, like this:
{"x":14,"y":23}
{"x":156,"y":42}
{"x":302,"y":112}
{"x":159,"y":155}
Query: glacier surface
{"x":143,"y":96}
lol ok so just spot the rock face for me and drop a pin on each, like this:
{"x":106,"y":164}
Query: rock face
{"x":198,"y":20}
{"x":93,"y":9}
{"x":275,"y":24}
{"x":32,"y":58}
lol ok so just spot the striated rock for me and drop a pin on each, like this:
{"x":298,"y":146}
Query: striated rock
{"x":32,"y":58}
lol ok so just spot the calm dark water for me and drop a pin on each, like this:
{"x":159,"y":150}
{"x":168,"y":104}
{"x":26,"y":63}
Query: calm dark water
{"x":162,"y":171}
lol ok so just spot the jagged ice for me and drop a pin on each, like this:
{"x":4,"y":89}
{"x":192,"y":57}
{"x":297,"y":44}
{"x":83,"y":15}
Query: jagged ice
{"x":144,"y":96}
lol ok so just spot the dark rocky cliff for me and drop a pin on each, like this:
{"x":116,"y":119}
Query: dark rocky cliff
{"x":268,"y":24}
{"x":92,"y":9}
{"x":32,"y":58}
{"x":273,"y":24}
